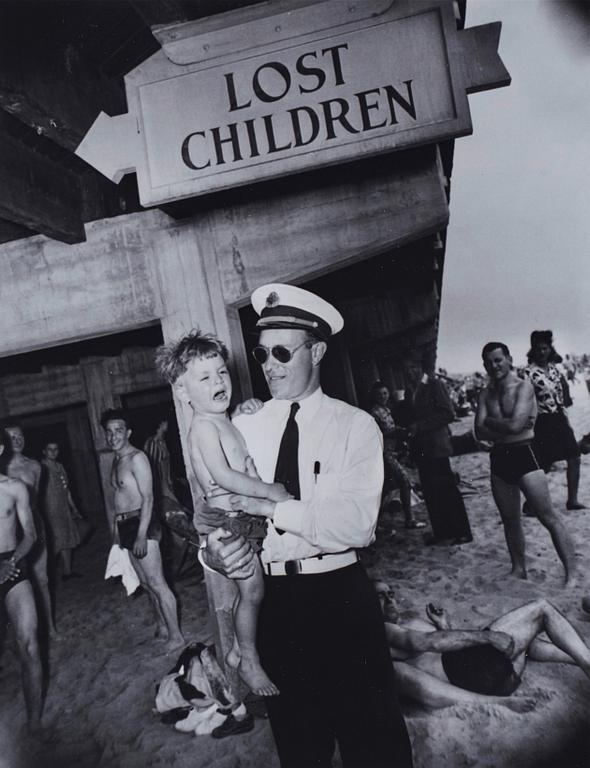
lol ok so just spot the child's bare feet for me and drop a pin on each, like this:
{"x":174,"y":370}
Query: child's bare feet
{"x":255,"y":677}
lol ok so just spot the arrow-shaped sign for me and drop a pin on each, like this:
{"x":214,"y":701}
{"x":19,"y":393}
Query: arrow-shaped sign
{"x":246,"y":96}
{"x":112,"y":145}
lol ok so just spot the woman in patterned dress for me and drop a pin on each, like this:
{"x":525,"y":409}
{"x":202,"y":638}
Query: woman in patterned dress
{"x":60,"y":510}
{"x":554,"y":437}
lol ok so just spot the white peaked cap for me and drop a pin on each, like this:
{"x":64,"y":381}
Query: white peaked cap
{"x":285,"y":306}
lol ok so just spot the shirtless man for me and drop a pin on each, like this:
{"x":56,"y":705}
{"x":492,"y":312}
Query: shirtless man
{"x":29,"y":472}
{"x":133,"y":527}
{"x":15,"y":588}
{"x":506,"y":415}
{"x":440,"y":666}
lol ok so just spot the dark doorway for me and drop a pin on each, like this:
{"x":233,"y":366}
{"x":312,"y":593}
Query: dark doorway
{"x":56,"y":392}
{"x":147,"y":409}
{"x":70,"y":429}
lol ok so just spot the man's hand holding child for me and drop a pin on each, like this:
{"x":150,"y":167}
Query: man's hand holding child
{"x":234,"y":559}
{"x":248,"y":407}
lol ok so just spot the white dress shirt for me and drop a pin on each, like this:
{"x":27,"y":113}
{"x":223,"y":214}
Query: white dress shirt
{"x":340,"y":503}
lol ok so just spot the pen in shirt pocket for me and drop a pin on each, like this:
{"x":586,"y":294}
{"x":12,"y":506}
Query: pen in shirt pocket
{"x":316,"y":471}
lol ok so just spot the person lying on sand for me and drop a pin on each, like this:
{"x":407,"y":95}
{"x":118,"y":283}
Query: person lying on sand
{"x":439,"y":666}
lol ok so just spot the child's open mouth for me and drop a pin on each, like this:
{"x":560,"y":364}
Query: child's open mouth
{"x":221,"y":394}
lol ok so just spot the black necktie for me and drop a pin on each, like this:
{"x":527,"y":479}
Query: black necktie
{"x":287,"y":468}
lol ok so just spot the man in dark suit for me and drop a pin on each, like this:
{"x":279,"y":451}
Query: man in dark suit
{"x":428,"y":412}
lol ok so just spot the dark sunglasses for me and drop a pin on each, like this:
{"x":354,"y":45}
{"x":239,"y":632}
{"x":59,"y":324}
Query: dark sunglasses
{"x":280,"y":353}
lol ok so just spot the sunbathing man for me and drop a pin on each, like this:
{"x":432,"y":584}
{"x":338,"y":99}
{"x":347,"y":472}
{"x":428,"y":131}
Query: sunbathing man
{"x":28,"y":471}
{"x":133,"y":526}
{"x":15,"y":588}
{"x":506,"y":415}
{"x":440,"y":666}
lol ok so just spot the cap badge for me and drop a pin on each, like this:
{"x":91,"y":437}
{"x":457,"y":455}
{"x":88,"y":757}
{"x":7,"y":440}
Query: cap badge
{"x":272,"y":299}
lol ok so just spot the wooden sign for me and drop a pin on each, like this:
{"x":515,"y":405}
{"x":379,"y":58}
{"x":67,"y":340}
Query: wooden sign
{"x":246,"y":96}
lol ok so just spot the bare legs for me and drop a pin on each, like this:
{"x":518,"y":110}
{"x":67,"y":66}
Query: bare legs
{"x":20,"y":605}
{"x":535,"y":488}
{"x":41,"y":581}
{"x":524,"y":624}
{"x":507,"y":498}
{"x":151,"y":575}
{"x":396,"y":471}
{"x":244,"y":654}
{"x":573,"y":481}
{"x":429,"y":690}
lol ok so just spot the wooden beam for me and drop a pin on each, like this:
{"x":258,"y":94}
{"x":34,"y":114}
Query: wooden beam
{"x":162,"y":12}
{"x":99,"y":398}
{"x":46,"y":81}
{"x":39,"y":193}
{"x":171,"y":11}
{"x":10,"y":231}
{"x":349,"y":214}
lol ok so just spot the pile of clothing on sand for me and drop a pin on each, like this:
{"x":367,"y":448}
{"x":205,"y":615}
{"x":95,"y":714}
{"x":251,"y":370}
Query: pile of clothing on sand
{"x":196,"y":698}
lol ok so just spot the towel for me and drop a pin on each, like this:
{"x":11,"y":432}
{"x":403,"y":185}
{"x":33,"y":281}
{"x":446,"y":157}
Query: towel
{"x":119,"y":564}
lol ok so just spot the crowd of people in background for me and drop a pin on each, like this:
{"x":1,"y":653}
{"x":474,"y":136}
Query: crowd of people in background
{"x":464,"y":389}
{"x":416,"y":453}
{"x":520,"y":416}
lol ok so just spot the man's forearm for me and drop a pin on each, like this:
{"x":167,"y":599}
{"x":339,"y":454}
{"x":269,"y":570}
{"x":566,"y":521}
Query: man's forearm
{"x":111,"y":520}
{"x":145,"y":516}
{"x":502,"y":426}
{"x":485,"y":433}
{"x":25,"y":545}
{"x":452,"y":640}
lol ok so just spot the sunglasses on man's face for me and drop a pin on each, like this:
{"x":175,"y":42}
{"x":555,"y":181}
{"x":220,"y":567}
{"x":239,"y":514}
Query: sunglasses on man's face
{"x":280,"y":353}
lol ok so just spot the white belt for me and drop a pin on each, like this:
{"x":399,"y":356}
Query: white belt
{"x":317,"y":564}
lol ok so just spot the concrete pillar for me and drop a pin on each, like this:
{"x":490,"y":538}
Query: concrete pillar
{"x":191,"y":297}
{"x":100,"y":397}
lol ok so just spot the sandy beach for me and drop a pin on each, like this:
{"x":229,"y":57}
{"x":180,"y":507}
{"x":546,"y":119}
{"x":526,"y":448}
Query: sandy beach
{"x":105,"y":664}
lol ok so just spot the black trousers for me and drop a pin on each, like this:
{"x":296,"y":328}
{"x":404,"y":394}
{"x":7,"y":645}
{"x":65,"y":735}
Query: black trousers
{"x":322,"y":642}
{"x":444,"y":502}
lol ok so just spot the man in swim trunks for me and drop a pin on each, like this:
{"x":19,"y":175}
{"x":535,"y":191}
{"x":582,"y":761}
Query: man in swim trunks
{"x":506,"y":415}
{"x":133,"y":525}
{"x":28,"y":471}
{"x":16,"y":592}
{"x":440,"y":666}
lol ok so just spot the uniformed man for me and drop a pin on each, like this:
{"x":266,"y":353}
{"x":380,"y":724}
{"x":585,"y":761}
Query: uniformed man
{"x":321,"y":630}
